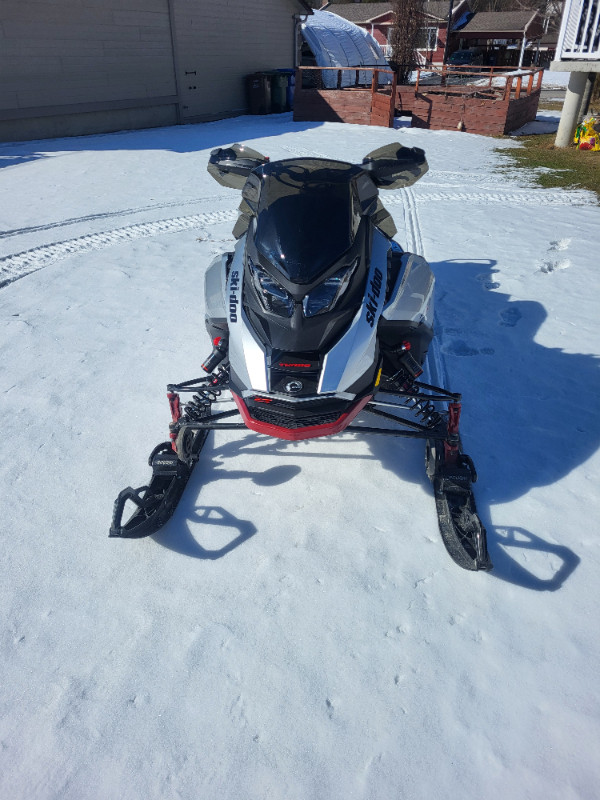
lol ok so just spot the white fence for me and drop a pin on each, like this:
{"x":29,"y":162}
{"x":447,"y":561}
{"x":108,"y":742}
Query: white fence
{"x":580,"y":31}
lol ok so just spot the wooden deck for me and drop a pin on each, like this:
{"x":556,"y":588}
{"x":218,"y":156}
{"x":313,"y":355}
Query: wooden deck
{"x":476,"y":100}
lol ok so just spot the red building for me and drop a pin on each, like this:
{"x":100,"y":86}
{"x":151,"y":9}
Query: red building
{"x":378,"y":19}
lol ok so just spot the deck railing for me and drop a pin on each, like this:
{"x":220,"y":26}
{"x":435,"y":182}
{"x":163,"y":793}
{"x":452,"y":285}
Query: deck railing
{"x":342,"y":77}
{"x":579,"y":36}
{"x":503,"y":82}
{"x":490,"y":82}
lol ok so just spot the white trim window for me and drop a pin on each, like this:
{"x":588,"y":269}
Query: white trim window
{"x":427,"y":38}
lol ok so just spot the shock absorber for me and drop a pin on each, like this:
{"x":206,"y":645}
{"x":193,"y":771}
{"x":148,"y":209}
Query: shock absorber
{"x":421,"y":407}
{"x":424,"y":409}
{"x":197,"y":408}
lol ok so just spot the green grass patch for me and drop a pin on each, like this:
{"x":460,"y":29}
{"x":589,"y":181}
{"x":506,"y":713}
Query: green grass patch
{"x":555,"y":167}
{"x":550,"y":105}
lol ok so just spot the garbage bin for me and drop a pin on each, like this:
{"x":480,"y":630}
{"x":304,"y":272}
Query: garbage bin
{"x":289,"y":92}
{"x":279,"y":84}
{"x":258,"y":93}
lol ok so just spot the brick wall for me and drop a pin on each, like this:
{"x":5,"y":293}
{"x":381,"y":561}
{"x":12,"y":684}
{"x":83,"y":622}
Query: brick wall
{"x":455,"y":112}
{"x":521,"y":111}
{"x":432,"y":109}
{"x":332,"y":105}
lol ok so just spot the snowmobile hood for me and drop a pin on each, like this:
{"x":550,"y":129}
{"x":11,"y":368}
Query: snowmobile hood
{"x":308,"y":213}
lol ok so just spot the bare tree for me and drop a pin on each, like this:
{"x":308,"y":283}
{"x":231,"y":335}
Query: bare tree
{"x":404,"y":36}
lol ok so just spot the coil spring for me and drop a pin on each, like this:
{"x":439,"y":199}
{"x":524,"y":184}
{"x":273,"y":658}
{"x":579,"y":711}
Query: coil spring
{"x":199,"y":405}
{"x":423,"y":409}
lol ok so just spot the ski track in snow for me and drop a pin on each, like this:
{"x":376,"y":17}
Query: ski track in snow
{"x":126,"y":212}
{"x":524,"y":197}
{"x":20,"y":264}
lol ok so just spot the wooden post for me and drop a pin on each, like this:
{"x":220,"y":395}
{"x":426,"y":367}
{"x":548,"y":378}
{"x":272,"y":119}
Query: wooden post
{"x":508,"y":89}
{"x":418,"y":79}
{"x":540,"y":77}
{"x":491,"y":76}
{"x":339,"y":79}
{"x":393,"y":99}
{"x":375,"y":81}
{"x":530,"y":83}
{"x":518,"y":90}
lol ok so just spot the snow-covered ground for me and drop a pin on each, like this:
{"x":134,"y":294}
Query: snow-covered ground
{"x":297,"y":631}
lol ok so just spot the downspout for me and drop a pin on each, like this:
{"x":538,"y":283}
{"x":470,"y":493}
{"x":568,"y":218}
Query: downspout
{"x":175,"y":58}
{"x":299,"y":19}
{"x":524,"y":41}
{"x":450,"y":9}
{"x":522,"y":53}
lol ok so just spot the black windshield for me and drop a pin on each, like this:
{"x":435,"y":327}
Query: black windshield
{"x":307,"y":215}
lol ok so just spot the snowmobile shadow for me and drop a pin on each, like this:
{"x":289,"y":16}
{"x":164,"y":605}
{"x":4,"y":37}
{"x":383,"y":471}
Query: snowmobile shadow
{"x":529,"y":410}
{"x":179,"y":535}
{"x":540,"y":556}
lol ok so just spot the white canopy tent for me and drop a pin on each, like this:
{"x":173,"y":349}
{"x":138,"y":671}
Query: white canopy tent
{"x":335,"y":42}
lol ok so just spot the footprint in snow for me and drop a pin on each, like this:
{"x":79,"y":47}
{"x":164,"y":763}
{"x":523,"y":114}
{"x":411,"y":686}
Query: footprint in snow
{"x":486,"y":282}
{"x":553,"y":266}
{"x":509,"y":317}
{"x":460,"y":348}
{"x":561,"y":244}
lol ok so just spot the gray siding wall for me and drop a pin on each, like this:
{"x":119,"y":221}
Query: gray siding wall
{"x":84,"y":57}
{"x":69,"y":67}
{"x":219,"y":42}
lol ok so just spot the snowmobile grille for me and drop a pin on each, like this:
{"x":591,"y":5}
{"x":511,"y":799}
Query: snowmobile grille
{"x":284,"y":421}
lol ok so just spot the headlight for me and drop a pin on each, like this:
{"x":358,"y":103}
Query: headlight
{"x":273,"y":297}
{"x":325,"y":296}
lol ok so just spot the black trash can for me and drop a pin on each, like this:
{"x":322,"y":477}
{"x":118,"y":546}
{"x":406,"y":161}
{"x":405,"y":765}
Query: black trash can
{"x":258,"y":93}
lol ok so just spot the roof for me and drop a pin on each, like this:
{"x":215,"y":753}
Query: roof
{"x":439,"y":8}
{"x":360,"y":12}
{"x":499,"y":22}
{"x":367,"y":12}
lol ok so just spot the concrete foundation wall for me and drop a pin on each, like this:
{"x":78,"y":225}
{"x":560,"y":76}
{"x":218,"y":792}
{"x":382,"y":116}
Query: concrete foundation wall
{"x":86,"y":122}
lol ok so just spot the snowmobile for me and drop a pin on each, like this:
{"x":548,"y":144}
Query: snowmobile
{"x":318,"y":319}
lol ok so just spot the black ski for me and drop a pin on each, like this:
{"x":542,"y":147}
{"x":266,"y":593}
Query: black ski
{"x":157,"y":501}
{"x":462,"y":531}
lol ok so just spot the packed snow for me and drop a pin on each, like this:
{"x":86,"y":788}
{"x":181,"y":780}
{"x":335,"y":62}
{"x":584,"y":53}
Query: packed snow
{"x":297,"y":631}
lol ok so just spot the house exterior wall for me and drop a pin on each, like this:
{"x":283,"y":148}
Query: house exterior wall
{"x":71,"y":67}
{"x":379,"y":33}
{"x":68,"y":66}
{"x":218,"y":43}
{"x":381,"y":28}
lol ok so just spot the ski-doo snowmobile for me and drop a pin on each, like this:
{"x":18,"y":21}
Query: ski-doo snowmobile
{"x":318,"y":319}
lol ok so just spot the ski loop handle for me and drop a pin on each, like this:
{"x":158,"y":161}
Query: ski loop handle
{"x":126,"y":494}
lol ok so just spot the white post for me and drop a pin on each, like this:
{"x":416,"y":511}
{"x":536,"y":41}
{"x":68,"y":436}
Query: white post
{"x":522,"y":53}
{"x":570,"y":110}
